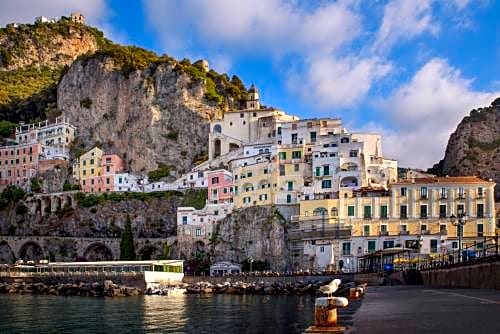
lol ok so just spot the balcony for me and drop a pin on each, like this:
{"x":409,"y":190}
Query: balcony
{"x":404,"y":232}
{"x":335,"y":232}
{"x":424,"y":197}
{"x":383,"y":233}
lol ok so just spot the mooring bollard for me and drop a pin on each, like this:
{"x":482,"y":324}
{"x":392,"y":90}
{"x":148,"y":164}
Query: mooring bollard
{"x":325,"y":315}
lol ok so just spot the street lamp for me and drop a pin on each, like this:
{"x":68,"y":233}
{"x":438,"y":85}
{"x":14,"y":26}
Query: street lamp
{"x":459,"y":221}
{"x":251,"y":261}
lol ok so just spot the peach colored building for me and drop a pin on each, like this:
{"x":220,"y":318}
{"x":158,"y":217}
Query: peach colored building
{"x":18,"y":164}
{"x":220,"y":186}
{"x":111,"y":165}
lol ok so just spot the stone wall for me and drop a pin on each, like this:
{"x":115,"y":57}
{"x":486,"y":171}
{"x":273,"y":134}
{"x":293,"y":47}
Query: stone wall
{"x":479,"y":276}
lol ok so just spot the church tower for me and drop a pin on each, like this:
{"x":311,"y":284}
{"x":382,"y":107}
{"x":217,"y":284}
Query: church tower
{"x":253,"y":98}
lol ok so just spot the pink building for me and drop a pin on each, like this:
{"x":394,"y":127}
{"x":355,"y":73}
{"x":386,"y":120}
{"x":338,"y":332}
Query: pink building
{"x":18,"y":164}
{"x":111,"y":165}
{"x":220,"y":186}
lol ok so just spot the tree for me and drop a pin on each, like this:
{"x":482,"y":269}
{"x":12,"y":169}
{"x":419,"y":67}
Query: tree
{"x":127,"y":248}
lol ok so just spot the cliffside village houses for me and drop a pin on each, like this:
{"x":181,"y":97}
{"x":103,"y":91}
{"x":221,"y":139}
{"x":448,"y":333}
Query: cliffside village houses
{"x":343,"y":197}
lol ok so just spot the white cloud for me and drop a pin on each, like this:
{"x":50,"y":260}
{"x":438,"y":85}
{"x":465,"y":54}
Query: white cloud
{"x":402,"y":20}
{"x":25,"y":11}
{"x":338,"y":82}
{"x":424,"y":111}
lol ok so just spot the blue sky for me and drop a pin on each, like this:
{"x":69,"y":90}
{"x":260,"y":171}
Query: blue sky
{"x":408,"y":69}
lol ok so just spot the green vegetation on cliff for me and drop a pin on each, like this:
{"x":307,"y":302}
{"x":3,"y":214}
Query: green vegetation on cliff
{"x":127,"y":248}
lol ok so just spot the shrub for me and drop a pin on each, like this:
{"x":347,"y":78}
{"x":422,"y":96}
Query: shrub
{"x":160,"y":172}
{"x":13,"y":194}
{"x":7,"y":128}
{"x":87,"y":201}
{"x":195,"y":198}
{"x":69,"y":187}
{"x":36,"y":187}
{"x":21,"y":209}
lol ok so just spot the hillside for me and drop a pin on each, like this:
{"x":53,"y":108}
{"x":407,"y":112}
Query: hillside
{"x":474,"y":147}
{"x":152,"y":110}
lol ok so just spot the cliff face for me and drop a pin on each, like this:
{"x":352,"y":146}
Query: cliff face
{"x":256,"y":232}
{"x":153,"y":116}
{"x":474,"y":147}
{"x":151,"y":218}
{"x":32,"y":60}
{"x":47,"y":44}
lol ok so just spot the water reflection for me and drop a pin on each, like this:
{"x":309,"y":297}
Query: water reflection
{"x":155,"y":314}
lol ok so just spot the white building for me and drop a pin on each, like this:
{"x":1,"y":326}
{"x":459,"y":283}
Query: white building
{"x":127,"y":182}
{"x":55,"y":138}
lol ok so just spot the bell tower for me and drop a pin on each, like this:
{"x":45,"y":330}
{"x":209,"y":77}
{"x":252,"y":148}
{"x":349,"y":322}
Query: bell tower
{"x":253,"y":101}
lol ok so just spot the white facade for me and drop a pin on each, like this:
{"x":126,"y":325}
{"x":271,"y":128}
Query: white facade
{"x":55,"y":138}
{"x":126,"y":182}
{"x":197,"y":225}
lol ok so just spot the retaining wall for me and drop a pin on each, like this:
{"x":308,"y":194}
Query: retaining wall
{"x":479,"y":276}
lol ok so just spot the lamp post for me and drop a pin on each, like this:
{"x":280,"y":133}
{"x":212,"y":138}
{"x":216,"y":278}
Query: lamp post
{"x":459,"y":221}
{"x":251,"y":261}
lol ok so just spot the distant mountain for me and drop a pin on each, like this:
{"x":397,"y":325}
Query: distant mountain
{"x":152,"y":110}
{"x":474,"y":147}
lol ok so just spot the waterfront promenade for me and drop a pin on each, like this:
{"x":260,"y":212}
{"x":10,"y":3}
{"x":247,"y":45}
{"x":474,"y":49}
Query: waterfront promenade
{"x":417,"y":309}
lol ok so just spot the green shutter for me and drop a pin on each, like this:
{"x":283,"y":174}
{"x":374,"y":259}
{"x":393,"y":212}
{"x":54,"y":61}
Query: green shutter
{"x":383,"y":211}
{"x":350,"y":211}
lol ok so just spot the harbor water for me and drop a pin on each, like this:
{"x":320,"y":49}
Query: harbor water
{"x":155,"y":314}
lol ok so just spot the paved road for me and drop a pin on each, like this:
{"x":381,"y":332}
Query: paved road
{"x":416,"y":309}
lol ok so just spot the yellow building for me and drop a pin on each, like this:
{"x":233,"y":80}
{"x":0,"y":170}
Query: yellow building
{"x":90,"y":169}
{"x":292,"y":171}
{"x":254,"y":184}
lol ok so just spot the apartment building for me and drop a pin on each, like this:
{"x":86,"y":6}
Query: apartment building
{"x":19,"y":163}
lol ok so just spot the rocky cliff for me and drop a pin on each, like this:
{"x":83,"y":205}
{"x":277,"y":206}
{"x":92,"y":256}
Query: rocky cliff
{"x":474,"y":147}
{"x":32,"y":60}
{"x":256,"y":232}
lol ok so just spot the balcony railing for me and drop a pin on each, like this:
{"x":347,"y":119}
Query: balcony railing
{"x":326,"y":232}
{"x":384,"y":233}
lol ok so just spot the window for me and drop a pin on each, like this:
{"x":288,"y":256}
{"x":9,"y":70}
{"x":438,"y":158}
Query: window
{"x":434,"y":246}
{"x":366,"y":230}
{"x":423,"y":211}
{"x":294,"y":138}
{"x":344,"y":140}
{"x":282,"y":155}
{"x":279,"y":130}
{"x":423,"y":192}
{"x":326,"y":184}
{"x":322,"y":249}
{"x":404,"y":228}
{"x":326,"y":170}
{"x":318,"y":171}
{"x":367,"y":212}
{"x":460,"y":209}
{"x":353,"y":154}
{"x":91,"y":161}
{"x":282,"y":170}
{"x":460,"y":192}
{"x":383,"y":212}
{"x":289,"y":198}
{"x":383,"y":228}
{"x":184,"y":220}
{"x":241,"y":115}
{"x":480,"y":192}
{"x":108,"y":169}
{"x":388,"y":244}
{"x":442,"y":229}
{"x":296,"y":168}
{"x":107,"y":180}
{"x":290,"y":185}
{"x":313,"y":137}
{"x":442,"y":193}
{"x":350,"y":211}
{"x":403,"y":191}
{"x":454,"y":244}
{"x":249,"y":174}
{"x":371,"y":245}
{"x":346,"y":248}
{"x":296,"y":154}
{"x":198,"y":232}
{"x":403,"y":212}
{"x":480,"y":230}
{"x":480,"y":210}
{"x":423,"y":227}
{"x":215,"y":180}
{"x":442,"y":211}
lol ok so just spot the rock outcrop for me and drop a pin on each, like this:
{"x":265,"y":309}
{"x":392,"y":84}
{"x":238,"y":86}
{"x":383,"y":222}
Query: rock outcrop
{"x":255,"y":232}
{"x":474,"y":147}
{"x":152,"y":117}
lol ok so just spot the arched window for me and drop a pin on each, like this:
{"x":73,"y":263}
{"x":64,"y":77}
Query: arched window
{"x":217,"y":128}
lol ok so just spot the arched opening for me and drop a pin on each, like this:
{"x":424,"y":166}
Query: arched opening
{"x":6,"y":253}
{"x":38,"y":204}
{"x":149,"y":252}
{"x":217,"y":128}
{"x":349,"y":167}
{"x":98,"y":252}
{"x":247,"y":187}
{"x":68,"y":202}
{"x":349,"y":181}
{"x":320,"y":212}
{"x":233,"y":147}
{"x":56,"y":203}
{"x":217,"y":148}
{"x":31,"y":251}
{"x":263,"y":184}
